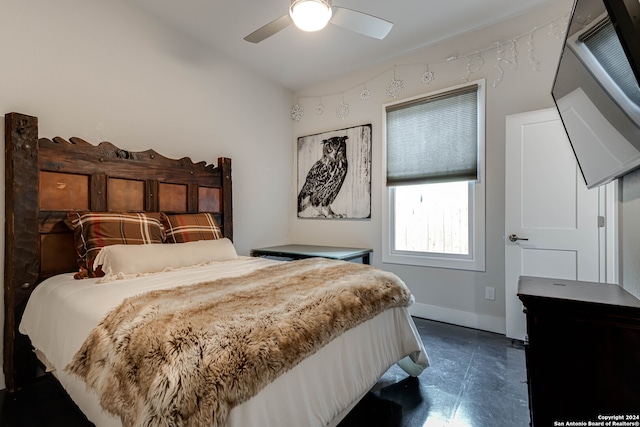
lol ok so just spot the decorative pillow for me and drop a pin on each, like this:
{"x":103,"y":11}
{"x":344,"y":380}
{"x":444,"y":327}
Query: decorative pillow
{"x":182,"y":228}
{"x":127,"y":261}
{"x":95,"y":230}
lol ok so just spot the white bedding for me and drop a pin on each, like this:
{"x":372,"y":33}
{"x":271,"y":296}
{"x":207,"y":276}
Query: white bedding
{"x":62,"y":311}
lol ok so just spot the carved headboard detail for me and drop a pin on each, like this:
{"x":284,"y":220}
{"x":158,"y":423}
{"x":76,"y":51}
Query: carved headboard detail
{"x":46,"y":178}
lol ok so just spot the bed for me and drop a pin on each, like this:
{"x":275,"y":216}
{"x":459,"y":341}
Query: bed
{"x":47,"y":179}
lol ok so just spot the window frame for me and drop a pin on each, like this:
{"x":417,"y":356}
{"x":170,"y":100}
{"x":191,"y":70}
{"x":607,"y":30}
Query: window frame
{"x":475,"y":260}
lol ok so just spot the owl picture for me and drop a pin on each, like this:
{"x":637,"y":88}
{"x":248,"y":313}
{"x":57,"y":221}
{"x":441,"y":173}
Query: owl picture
{"x":325,"y":178}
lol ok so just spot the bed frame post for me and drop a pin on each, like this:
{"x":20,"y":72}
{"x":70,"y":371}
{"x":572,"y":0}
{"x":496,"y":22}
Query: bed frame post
{"x":21,"y":266}
{"x":227,"y":208}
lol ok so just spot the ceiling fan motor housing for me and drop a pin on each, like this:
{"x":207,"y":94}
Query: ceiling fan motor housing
{"x":310,"y":15}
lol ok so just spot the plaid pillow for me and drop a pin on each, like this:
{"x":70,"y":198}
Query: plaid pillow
{"x":94,"y":230}
{"x":182,"y":228}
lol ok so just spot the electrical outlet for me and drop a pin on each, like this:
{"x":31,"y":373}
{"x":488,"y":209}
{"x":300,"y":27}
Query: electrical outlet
{"x":490,"y":293}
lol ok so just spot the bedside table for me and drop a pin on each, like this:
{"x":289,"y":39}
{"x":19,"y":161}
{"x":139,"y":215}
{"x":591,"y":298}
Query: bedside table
{"x":310,"y":251}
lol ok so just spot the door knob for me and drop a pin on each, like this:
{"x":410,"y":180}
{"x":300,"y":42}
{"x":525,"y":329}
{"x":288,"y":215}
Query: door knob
{"x":514,"y":237}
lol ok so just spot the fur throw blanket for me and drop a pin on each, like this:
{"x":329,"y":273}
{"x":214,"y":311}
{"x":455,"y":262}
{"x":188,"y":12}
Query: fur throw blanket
{"x":186,"y":356}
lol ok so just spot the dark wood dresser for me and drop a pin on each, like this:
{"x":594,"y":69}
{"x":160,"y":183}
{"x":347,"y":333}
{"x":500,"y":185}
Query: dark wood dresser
{"x":582,"y":351}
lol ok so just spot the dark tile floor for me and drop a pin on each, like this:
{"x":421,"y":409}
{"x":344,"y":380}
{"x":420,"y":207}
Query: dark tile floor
{"x":476,"y":379}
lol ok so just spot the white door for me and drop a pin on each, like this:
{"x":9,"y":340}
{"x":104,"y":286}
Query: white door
{"x":548,"y":207}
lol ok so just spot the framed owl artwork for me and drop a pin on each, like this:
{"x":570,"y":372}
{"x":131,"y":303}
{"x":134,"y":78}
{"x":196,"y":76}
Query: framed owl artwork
{"x":334,"y":174}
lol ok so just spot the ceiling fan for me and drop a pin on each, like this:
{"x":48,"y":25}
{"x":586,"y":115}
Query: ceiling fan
{"x":313,"y":15}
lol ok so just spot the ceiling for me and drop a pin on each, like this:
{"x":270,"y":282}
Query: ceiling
{"x":296,"y":59}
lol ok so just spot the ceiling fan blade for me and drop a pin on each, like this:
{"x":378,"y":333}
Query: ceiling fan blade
{"x":270,"y":29}
{"x":360,"y":22}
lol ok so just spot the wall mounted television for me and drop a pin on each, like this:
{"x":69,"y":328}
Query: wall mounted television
{"x":596,"y":89}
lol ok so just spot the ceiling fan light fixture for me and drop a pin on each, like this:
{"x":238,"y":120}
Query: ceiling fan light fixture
{"x":310,"y":15}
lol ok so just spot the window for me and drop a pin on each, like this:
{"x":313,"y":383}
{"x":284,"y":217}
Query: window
{"x":434,"y":179}
{"x":424,"y":226}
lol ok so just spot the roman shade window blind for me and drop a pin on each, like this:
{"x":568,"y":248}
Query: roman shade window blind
{"x":433,"y":139}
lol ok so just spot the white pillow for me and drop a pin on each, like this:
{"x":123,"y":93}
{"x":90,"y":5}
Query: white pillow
{"x":126,"y":261}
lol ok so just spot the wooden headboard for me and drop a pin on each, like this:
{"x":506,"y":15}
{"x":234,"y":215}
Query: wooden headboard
{"x":47,"y":178}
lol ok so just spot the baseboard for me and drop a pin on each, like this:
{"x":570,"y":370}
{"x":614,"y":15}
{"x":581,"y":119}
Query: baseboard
{"x":459,"y":317}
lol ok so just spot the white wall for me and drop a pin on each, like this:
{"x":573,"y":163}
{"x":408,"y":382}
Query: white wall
{"x":449,"y":295}
{"x":629,"y":233}
{"x":105,"y":70}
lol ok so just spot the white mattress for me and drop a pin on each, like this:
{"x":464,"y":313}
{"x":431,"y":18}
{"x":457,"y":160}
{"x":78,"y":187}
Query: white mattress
{"x":62,"y":311}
